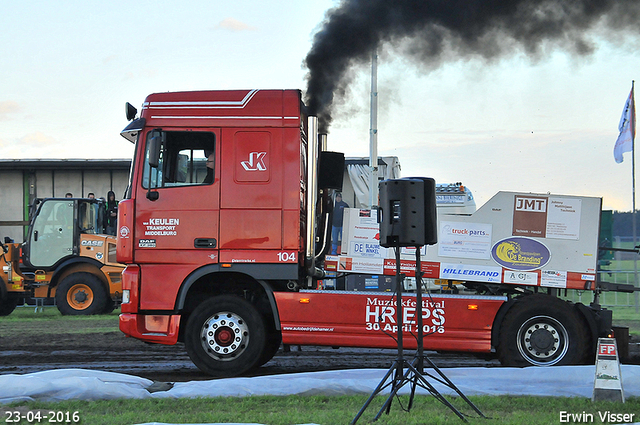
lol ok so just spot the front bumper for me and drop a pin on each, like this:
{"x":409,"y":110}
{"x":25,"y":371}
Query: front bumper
{"x":159,"y":329}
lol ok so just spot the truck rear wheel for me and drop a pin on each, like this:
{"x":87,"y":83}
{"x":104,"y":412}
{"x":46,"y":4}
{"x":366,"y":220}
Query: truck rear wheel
{"x":225,"y":336}
{"x":540,"y":330}
{"x":81,"y":294}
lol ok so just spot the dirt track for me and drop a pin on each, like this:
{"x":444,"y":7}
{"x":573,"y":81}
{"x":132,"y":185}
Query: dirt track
{"x":40,"y":344}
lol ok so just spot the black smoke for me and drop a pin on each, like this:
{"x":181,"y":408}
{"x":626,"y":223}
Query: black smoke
{"x":439,"y":30}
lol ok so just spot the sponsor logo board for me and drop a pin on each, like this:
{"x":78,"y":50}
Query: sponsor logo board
{"x":520,"y":277}
{"x":361,"y":265}
{"x":547,"y":217}
{"x":464,"y":240}
{"x":520,"y":253}
{"x":553,"y":278}
{"x":489,"y":274}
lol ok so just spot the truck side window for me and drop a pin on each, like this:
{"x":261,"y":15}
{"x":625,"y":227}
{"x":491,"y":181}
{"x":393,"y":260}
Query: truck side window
{"x":186,"y":159}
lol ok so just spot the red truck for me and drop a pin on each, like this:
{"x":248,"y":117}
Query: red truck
{"x":224,"y":231}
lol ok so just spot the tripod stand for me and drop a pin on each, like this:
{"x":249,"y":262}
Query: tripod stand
{"x":414,"y":374}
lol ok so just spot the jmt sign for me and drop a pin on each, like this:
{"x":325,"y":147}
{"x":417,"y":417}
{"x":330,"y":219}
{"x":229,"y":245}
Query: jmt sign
{"x":530,"y":216}
{"x":531,"y":204}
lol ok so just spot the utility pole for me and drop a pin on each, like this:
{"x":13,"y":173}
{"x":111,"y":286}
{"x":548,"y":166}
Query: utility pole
{"x":373,"y":134}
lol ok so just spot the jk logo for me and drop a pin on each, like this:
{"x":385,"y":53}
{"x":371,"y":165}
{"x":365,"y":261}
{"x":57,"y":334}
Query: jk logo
{"x":255,"y":162}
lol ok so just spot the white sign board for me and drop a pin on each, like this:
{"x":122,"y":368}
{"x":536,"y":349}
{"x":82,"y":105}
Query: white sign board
{"x":553,"y":278}
{"x":464,"y":240}
{"x":563,"y":218}
{"x":364,"y":234}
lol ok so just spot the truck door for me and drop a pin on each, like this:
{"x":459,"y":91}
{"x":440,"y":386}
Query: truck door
{"x":252,"y":191}
{"x":52,"y":233}
{"x":177,"y":202}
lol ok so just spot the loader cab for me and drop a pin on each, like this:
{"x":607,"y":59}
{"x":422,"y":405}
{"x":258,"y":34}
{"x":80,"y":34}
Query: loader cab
{"x":55,"y":226}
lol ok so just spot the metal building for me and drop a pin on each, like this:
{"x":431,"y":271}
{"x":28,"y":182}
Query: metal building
{"x":23,"y":180}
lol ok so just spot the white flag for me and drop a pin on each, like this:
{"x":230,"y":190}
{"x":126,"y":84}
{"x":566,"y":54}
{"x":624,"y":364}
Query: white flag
{"x":627,"y":128}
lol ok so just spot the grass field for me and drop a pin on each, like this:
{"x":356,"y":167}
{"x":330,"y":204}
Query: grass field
{"x":26,"y":322}
{"x":331,"y":410}
{"x":28,"y":313}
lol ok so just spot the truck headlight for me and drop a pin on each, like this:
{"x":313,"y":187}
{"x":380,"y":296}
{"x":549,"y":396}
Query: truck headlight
{"x":125,"y":296}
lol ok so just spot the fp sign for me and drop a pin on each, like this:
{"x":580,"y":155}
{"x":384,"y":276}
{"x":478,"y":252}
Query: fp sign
{"x":607,"y":350}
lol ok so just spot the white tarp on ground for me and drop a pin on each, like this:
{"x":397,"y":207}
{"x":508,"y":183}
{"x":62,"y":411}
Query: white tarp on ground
{"x":81,"y":384}
{"x":65,"y":384}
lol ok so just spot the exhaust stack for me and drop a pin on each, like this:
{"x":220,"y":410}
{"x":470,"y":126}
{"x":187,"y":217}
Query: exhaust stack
{"x":312,"y":197}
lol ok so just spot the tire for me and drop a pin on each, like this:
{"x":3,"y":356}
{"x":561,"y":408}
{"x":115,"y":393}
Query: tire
{"x":81,"y":294}
{"x":225,"y":336}
{"x":109,"y":307}
{"x":540,"y":330}
{"x":271,"y":347}
{"x":7,"y":305}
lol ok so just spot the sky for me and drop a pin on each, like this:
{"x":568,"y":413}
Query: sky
{"x":515,"y":124}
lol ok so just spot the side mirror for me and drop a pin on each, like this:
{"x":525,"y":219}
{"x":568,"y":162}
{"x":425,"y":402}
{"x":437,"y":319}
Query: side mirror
{"x":130,"y":111}
{"x":155,"y":144}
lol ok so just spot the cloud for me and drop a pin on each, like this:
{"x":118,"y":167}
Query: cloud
{"x":32,"y":145}
{"x":234,"y":25}
{"x":110,"y":58}
{"x":141,"y":74}
{"x":8,"y":107}
{"x":36,"y":140}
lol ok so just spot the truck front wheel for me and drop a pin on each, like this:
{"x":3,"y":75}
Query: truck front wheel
{"x":225,"y":336}
{"x":540,"y":330}
{"x":274,"y":340}
{"x":81,"y":294}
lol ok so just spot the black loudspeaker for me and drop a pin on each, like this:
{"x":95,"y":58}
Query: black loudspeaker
{"x":407,"y":213}
{"x":330,"y":170}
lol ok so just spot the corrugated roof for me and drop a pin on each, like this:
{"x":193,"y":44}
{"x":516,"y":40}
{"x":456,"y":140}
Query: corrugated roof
{"x":64,"y":164}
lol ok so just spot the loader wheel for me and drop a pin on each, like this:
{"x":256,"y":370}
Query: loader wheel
{"x":109,"y":307}
{"x":540,"y":330}
{"x":81,"y":294}
{"x":7,"y":305}
{"x":225,"y":336}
